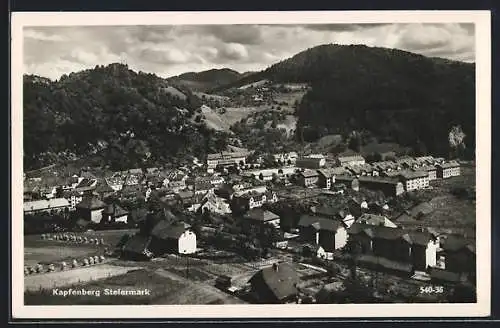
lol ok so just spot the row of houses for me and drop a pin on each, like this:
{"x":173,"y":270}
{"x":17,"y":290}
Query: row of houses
{"x":392,"y":183}
{"x":376,"y":238}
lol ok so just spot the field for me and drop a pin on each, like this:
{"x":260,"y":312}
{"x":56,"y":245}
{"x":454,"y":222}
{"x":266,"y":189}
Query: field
{"x":290,"y":98}
{"x":70,"y":277}
{"x":46,"y":252}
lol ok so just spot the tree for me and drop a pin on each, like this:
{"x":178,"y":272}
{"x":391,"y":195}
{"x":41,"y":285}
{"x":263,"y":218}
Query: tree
{"x":456,"y":141}
{"x":355,"y":141}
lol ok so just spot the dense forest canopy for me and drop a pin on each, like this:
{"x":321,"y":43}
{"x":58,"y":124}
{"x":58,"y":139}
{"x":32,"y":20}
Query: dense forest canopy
{"x":396,"y":95}
{"x":206,"y":80}
{"x":129,"y":118}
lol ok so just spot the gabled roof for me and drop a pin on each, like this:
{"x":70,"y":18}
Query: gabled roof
{"x":103,"y":187}
{"x":408,"y":175}
{"x":85,"y":183}
{"x":319,"y":223}
{"x":376,"y":220}
{"x":91,"y":203}
{"x":309,"y":173}
{"x":421,"y":238}
{"x":258,"y":214}
{"x":448,"y":165}
{"x":114,"y":210}
{"x":281,"y":281}
{"x":167,"y":230}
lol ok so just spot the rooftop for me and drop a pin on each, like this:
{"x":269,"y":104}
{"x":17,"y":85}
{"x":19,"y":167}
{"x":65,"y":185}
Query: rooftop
{"x":43,"y":204}
{"x":259,"y":214}
{"x":281,"y":279}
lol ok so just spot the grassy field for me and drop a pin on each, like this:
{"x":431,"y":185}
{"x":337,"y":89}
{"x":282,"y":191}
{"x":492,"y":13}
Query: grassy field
{"x":290,"y":99}
{"x":37,"y":250}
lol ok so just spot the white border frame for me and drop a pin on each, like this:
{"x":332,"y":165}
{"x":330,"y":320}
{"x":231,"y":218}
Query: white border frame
{"x":482,"y":21}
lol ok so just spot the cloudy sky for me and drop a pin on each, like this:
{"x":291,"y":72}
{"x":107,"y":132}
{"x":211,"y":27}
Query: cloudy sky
{"x":172,"y":50}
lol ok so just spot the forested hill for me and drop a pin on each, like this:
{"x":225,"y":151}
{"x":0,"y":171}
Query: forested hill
{"x":206,"y":80}
{"x":128,"y":118}
{"x":396,"y":95}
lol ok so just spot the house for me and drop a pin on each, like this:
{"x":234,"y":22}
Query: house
{"x":350,"y":160}
{"x":54,"y":205}
{"x":114,"y":213}
{"x":103,"y":190}
{"x":389,"y":186}
{"x":329,"y":234}
{"x":258,"y":217}
{"x":254,"y":199}
{"x":286,"y":158}
{"x":348,"y":181}
{"x":86,"y":186}
{"x":203,"y":187}
{"x":447,"y":170}
{"x":174,"y":238}
{"x":90,"y":208}
{"x":212,"y":203}
{"x":308,"y":178}
{"x":175,"y":181}
{"x":414,"y":180}
{"x":73,"y":197}
{"x":310,"y":162}
{"x":326,"y":178}
{"x":418,"y":248}
{"x":458,"y":254}
{"x":326,"y":211}
{"x":376,"y":220}
{"x":357,"y":207}
{"x":275,"y":284}
{"x":226,"y":159}
{"x":225,"y":191}
{"x":376,"y":207}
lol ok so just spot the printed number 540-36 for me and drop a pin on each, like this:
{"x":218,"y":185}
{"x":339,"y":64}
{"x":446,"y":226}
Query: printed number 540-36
{"x":431,"y":289}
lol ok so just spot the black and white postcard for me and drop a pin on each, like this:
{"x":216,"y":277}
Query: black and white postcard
{"x":251,"y":164}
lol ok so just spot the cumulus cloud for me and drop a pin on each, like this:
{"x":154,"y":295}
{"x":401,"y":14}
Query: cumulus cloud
{"x":172,"y":50}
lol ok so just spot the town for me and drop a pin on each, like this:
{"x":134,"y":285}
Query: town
{"x":235,"y":227}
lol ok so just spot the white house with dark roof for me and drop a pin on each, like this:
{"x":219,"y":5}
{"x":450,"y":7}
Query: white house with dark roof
{"x":114,"y":213}
{"x":90,"y":209}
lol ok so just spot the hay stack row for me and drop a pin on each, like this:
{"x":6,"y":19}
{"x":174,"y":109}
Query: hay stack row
{"x":73,"y":238}
{"x":40,"y":268}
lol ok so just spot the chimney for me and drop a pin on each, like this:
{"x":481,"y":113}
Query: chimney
{"x":275,"y":267}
